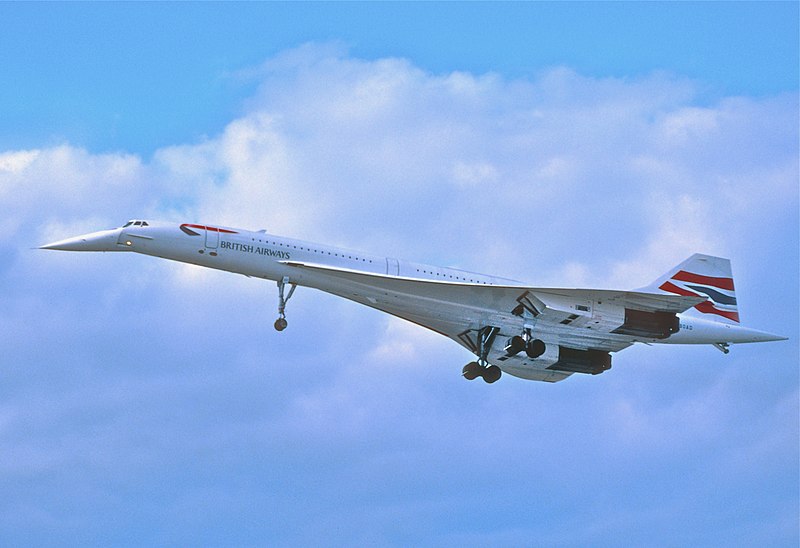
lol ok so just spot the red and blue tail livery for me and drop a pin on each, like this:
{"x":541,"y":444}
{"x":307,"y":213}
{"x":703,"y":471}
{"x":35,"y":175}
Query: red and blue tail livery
{"x":706,"y":277}
{"x":719,"y":292}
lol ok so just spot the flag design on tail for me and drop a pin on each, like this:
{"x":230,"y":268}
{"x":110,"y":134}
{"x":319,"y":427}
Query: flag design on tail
{"x":719,"y":291}
{"x":703,"y":276}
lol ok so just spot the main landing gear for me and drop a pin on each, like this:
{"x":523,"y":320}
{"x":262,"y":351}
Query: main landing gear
{"x":490,"y":373}
{"x":281,"y":323}
{"x":481,"y":368}
{"x":532,"y":347}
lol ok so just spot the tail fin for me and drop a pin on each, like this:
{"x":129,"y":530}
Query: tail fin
{"x":702,"y":276}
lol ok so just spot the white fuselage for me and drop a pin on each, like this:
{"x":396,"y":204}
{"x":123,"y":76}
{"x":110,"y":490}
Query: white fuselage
{"x":264,"y":255}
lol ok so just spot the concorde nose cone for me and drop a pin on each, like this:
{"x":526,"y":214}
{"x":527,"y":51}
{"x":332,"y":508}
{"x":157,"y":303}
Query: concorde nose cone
{"x":105,"y":240}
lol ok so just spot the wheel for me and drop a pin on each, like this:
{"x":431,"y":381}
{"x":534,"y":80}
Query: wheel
{"x":515,"y":345}
{"x":535,"y":349}
{"x":492,"y":374}
{"x":280,"y":324}
{"x":471,"y":371}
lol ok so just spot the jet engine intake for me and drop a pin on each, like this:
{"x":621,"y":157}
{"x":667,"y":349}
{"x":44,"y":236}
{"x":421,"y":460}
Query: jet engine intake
{"x":592,"y":362}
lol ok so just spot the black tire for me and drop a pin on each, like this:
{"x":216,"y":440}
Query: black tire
{"x":492,"y":374}
{"x":471,"y":371}
{"x":535,"y":349}
{"x":515,"y":345}
{"x":280,"y":324}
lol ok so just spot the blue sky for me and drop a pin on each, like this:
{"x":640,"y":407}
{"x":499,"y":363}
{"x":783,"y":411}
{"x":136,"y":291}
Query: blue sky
{"x":85,"y":73}
{"x":584,"y":144}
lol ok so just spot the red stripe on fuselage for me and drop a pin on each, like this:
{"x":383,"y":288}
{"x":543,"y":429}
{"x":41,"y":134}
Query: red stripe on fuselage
{"x":211,"y":228}
{"x":719,"y":283}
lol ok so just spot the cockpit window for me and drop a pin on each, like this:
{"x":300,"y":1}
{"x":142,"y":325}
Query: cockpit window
{"x":135,"y":223}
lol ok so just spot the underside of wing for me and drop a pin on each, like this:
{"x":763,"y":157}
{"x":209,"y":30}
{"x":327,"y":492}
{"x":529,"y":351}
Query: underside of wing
{"x":578,"y":327}
{"x":447,"y":308}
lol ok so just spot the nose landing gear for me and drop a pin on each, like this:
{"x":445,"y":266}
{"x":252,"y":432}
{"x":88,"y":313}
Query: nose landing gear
{"x":281,"y":323}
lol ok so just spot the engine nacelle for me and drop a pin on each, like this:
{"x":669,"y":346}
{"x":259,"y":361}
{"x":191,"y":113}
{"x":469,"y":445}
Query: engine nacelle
{"x":592,"y":362}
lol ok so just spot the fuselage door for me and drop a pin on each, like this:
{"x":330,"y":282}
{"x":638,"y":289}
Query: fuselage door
{"x":212,"y":237}
{"x":392,"y":267}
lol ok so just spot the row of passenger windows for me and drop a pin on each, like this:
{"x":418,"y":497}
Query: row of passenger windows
{"x":301,"y":248}
{"x":453,"y":277}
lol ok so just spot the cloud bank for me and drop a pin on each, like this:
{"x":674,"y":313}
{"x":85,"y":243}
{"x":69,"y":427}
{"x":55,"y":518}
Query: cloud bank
{"x":159,"y":405}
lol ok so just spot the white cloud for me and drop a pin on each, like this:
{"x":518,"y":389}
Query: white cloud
{"x":403,"y":345}
{"x":16,"y":161}
{"x":475,"y":174}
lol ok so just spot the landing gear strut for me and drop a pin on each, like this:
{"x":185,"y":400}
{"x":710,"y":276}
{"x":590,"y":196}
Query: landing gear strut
{"x":722,"y":347}
{"x":481,"y":368}
{"x":281,"y":323}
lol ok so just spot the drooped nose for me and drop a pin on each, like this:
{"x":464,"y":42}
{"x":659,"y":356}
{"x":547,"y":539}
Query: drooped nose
{"x":104,"y":240}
